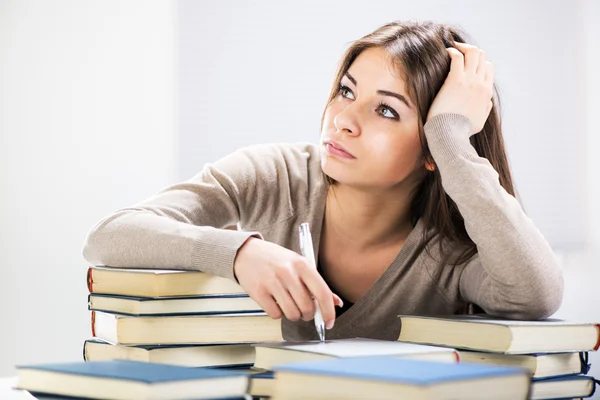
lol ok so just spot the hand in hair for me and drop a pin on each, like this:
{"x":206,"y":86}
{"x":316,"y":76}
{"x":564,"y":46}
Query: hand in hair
{"x":468,"y":88}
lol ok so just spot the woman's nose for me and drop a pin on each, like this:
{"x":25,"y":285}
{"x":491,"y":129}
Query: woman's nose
{"x":347,"y":121}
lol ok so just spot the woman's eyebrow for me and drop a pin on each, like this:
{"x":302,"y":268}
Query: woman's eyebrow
{"x":382,"y":92}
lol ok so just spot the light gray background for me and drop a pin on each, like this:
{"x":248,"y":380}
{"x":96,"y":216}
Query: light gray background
{"x":102,"y":103}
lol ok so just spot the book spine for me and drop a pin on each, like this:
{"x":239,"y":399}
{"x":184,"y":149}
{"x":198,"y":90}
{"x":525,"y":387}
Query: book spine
{"x":597,"y":346}
{"x":93,"y":320}
{"x":584,"y":360}
{"x":84,"y":350}
{"x":90,"y":280}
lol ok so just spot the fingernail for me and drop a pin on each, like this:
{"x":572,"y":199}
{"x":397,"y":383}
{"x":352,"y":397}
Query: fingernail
{"x":340,"y":303}
{"x":329,"y":324}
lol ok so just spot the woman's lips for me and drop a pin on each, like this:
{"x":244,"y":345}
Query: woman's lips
{"x":336,"y":151}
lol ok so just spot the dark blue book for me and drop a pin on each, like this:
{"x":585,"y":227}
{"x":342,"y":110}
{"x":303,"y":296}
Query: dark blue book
{"x":121,"y":380}
{"x":388,"y":377}
{"x":563,"y":387}
{"x":181,"y":305}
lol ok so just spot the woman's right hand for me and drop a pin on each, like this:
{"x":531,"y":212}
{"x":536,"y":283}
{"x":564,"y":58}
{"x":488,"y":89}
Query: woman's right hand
{"x":282,"y":281}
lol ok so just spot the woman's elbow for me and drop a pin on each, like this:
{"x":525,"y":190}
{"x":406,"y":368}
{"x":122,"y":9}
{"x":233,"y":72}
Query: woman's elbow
{"x":542,"y":299}
{"x":92,"y":248}
{"x":550,"y":302}
{"x":99,"y":243}
{"x":532,"y":300}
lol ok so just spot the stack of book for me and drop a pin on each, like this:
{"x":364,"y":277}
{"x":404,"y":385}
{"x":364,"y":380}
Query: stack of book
{"x":193,"y":319}
{"x":184,"y":318}
{"x":554,"y":352}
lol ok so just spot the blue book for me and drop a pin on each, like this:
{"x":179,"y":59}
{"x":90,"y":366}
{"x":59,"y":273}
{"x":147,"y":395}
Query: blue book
{"x":124,"y":380}
{"x":43,"y":396}
{"x":563,"y":387}
{"x":387,"y":377}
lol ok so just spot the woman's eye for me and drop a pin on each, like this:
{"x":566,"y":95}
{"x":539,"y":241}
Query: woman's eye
{"x":345,"y":91}
{"x":387,"y":112}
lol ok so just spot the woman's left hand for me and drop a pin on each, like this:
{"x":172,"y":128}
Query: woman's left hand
{"x":468,"y":88}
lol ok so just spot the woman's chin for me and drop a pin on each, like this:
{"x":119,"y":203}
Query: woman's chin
{"x":338,"y":173}
{"x":335,"y":172}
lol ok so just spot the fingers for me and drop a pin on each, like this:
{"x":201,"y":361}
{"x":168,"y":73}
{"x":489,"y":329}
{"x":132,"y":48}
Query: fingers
{"x":475,"y":62}
{"x":489,"y":73}
{"x":268,"y":303}
{"x":302,"y":298}
{"x":337,"y":300}
{"x":481,"y":65}
{"x":457,"y":61}
{"x":319,"y":289}
{"x":285,"y":302}
{"x":473,"y":57}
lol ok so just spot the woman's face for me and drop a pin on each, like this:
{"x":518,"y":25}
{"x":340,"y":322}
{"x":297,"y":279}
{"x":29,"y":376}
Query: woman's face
{"x":373,"y":120}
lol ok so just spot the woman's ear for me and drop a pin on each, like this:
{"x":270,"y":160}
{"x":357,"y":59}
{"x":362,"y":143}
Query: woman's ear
{"x":430,"y":165}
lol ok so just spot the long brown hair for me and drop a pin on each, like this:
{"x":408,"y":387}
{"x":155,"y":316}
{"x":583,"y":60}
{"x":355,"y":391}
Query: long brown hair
{"x":417,"y":50}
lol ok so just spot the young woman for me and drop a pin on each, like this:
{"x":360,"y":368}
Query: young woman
{"x":408,"y":195}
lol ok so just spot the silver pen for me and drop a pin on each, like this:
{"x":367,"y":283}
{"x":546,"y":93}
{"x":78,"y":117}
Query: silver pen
{"x":306,"y":247}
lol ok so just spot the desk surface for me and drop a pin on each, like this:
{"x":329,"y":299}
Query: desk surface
{"x":8,"y":393}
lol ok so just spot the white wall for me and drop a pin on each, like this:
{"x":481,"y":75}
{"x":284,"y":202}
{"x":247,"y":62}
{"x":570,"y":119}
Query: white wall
{"x":591,"y":91}
{"x":582,"y":272}
{"x":86,"y":126}
{"x":253,"y":72}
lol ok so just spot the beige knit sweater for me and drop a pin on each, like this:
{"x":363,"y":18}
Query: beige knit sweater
{"x":271,"y":189}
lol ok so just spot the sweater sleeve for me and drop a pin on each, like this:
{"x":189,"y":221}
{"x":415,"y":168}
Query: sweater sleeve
{"x":182,"y":226}
{"x":515,"y":273}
